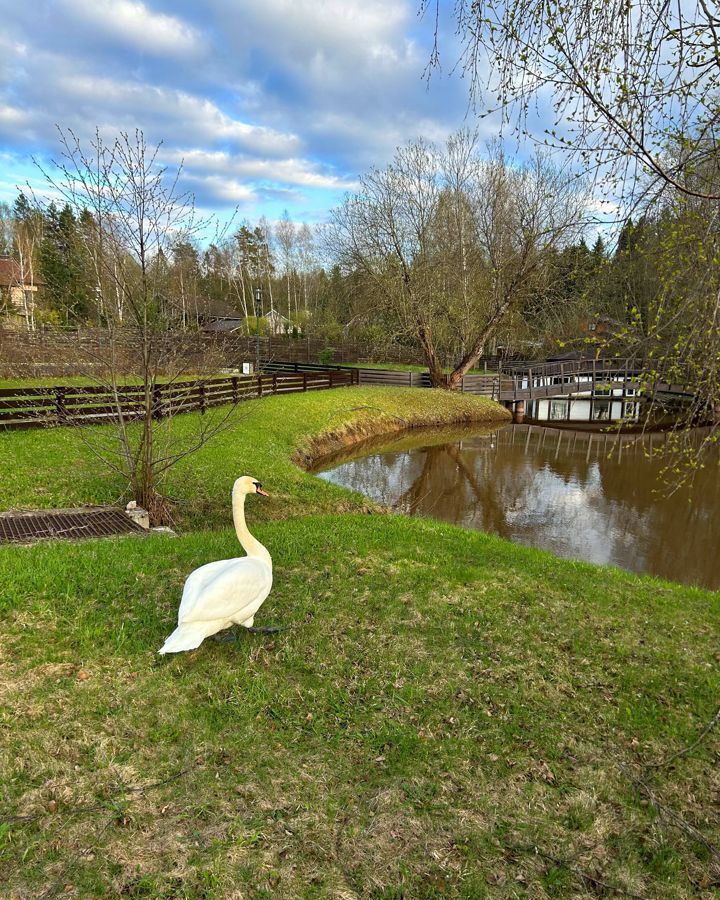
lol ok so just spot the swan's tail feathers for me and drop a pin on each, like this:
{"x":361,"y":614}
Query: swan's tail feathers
{"x":186,"y":637}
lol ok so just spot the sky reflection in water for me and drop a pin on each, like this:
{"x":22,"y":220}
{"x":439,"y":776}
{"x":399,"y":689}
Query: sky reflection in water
{"x":552,"y":489}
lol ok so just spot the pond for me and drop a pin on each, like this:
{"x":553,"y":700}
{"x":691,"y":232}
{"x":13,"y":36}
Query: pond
{"x":581,"y":495}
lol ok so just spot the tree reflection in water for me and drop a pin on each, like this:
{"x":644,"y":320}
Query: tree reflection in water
{"x":586,"y":496}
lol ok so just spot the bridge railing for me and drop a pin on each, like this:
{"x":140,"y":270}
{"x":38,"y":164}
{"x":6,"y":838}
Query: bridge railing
{"x":531,"y":380}
{"x":574,"y":366}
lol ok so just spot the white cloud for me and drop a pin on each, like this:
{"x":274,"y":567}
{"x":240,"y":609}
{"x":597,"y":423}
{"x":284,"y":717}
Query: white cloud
{"x":294,"y":171}
{"x":132,"y":23}
{"x":270,"y":102}
{"x":310,"y":25}
{"x":174,"y":113}
{"x":348,"y":46}
{"x":222,"y":189}
{"x":12,"y":116}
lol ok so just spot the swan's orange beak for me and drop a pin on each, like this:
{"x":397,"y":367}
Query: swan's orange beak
{"x":261,"y":492}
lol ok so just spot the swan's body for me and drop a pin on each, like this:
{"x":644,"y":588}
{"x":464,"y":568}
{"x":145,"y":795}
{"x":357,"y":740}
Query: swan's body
{"x":227,"y":592}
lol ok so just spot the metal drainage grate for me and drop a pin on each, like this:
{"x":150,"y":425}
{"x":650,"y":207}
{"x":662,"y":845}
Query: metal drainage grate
{"x":21,"y":527}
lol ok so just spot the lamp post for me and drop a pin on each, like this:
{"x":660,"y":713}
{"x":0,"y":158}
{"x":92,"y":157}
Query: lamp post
{"x":258,"y":313}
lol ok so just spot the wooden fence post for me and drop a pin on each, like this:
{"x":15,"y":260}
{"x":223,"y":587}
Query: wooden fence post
{"x":234,"y":389}
{"x":157,"y":402}
{"x":60,"y":405}
{"x":201,"y":386}
{"x":274,"y":383}
{"x":259,"y":385}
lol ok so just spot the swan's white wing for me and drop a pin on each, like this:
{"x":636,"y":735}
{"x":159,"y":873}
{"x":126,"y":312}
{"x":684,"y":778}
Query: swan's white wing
{"x":234,"y":592}
{"x":196,"y":582}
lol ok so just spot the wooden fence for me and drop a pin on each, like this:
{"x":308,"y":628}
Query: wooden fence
{"x":483,"y":385}
{"x":23,"y":407}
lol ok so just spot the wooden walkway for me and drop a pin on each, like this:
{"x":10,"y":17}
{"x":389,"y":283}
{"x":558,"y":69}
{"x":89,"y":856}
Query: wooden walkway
{"x":516,"y":383}
{"x":594,"y":376}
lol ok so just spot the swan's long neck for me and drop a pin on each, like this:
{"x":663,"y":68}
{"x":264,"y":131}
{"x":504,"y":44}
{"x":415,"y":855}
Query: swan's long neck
{"x":250,"y":545}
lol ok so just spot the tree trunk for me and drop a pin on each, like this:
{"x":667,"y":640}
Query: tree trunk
{"x":473,"y":354}
{"x":437,"y":376}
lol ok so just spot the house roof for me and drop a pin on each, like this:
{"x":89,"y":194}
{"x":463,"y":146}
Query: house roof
{"x":11,"y":273}
{"x":224,"y":325}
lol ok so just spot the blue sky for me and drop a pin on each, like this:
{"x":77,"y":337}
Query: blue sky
{"x":272,"y":104}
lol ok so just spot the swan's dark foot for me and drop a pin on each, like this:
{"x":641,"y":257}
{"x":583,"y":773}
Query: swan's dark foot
{"x":226,"y":637}
{"x":271,"y":629}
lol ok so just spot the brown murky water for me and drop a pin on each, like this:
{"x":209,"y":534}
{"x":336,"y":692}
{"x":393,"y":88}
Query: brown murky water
{"x":581,"y":496}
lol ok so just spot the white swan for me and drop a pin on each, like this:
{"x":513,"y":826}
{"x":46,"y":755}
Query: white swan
{"x":229,"y":591}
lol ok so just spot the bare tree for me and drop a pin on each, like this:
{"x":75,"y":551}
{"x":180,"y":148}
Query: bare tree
{"x":455,"y":242}
{"x":286,"y":238}
{"x":134,"y":215}
{"x":306,"y":259}
{"x":634,"y":89}
{"x":626,"y":80}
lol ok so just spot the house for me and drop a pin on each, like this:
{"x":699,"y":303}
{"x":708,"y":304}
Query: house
{"x":272,"y":323}
{"x":18,"y":291}
{"x":223,"y":325}
{"x":276,"y":323}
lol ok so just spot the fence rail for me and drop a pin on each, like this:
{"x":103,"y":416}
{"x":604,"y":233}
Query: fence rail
{"x":484,"y":385}
{"x":23,"y":407}
{"x":61,"y":404}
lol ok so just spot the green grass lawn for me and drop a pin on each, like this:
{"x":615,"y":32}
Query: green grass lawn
{"x":55,"y":467}
{"x":388,"y":367}
{"x":409,"y":367}
{"x":84,"y":380}
{"x":447,"y":715}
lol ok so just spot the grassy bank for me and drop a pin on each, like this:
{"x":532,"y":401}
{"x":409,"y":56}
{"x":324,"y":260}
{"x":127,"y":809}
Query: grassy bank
{"x":442,"y":703}
{"x":447,"y":715}
{"x":47,"y":468}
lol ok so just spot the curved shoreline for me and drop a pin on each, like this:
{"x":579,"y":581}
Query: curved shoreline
{"x":475,"y":411}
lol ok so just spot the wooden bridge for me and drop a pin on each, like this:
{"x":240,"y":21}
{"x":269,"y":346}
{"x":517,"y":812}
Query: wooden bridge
{"x":517,"y":383}
{"x":593,"y":376}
